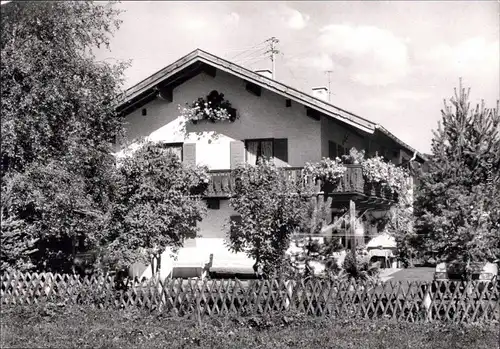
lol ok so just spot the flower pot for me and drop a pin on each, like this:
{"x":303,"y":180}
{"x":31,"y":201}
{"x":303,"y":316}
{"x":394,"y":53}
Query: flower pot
{"x":369,"y":188}
{"x":387,"y":193}
{"x":328,"y":187}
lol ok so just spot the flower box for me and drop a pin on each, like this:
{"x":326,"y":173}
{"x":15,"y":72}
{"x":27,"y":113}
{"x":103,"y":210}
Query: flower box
{"x":213,"y":108}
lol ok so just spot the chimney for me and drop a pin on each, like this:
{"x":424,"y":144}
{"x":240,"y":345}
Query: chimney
{"x":320,"y":93}
{"x":265,"y":72}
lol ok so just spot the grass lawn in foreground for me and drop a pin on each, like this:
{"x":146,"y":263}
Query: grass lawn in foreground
{"x":78,"y":327}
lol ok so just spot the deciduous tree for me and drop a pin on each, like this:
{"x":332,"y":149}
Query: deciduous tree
{"x":271,"y":210}
{"x":157,"y":204}
{"x":58,"y":122}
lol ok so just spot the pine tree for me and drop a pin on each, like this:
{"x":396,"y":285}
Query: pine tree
{"x":457,"y":203}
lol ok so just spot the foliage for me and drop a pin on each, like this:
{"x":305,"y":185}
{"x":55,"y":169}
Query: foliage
{"x":157,"y":205}
{"x":400,"y":224}
{"x":355,"y":157}
{"x":55,"y":96}
{"x":83,"y":327}
{"x":377,"y":170}
{"x":212,"y":108}
{"x":457,"y":208}
{"x":327,"y":170}
{"x":316,"y":216}
{"x":58,"y":120}
{"x":359,"y":268}
{"x":270,"y":209}
{"x":37,"y":235}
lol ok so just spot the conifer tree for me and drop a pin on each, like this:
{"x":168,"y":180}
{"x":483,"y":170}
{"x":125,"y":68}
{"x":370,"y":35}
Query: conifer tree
{"x":457,"y":205}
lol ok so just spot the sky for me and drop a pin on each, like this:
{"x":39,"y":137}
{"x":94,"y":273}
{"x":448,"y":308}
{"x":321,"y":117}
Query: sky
{"x":392,"y":62}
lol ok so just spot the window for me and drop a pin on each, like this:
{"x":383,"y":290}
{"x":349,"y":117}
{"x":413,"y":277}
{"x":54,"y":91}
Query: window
{"x":257,"y":149}
{"x":175,"y":148}
{"x":274,"y":149}
{"x":213,"y":204}
{"x":336,"y":150}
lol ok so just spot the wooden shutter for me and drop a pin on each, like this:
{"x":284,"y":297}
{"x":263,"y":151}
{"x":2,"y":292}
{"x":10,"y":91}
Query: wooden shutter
{"x":281,"y":152}
{"x":332,"y":150}
{"x":237,"y":153}
{"x":189,"y":154}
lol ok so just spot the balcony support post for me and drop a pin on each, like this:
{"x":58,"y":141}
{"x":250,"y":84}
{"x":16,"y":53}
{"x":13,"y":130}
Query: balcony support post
{"x":352,"y":228}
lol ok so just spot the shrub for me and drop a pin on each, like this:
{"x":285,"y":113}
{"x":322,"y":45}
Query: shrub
{"x":155,"y":205}
{"x":270,"y":208}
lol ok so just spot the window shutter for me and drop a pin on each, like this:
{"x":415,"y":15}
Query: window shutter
{"x":332,"y":150}
{"x":237,"y":153}
{"x":281,"y":152}
{"x":189,"y":154}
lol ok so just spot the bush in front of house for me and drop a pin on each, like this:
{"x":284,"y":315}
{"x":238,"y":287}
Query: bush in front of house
{"x":270,"y":210}
{"x":157,"y":205}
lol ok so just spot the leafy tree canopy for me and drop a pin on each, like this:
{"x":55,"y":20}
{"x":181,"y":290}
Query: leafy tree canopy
{"x":58,"y":119}
{"x":157,"y":204}
{"x":271,"y":210}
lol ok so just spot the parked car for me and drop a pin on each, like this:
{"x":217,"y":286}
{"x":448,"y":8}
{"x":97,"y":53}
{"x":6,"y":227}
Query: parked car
{"x":485,"y":273}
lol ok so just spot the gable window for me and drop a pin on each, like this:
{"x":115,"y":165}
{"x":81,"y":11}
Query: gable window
{"x":175,"y":148}
{"x":336,"y":150}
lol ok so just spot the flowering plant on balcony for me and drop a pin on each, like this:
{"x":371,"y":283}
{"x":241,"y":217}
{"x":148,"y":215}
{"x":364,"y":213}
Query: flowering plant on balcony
{"x":212,"y":108}
{"x":376,"y":170}
{"x":327,"y":170}
{"x":355,"y":157}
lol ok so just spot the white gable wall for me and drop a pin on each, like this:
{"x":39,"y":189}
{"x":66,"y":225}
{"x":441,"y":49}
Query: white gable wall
{"x":259,"y":117}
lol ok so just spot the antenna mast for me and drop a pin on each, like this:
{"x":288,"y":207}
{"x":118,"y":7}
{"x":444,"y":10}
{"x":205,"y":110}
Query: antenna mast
{"x":273,"y":51}
{"x":329,"y":83}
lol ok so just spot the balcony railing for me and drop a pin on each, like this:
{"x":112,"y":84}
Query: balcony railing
{"x":222,"y":183}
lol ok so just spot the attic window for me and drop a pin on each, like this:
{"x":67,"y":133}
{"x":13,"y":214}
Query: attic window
{"x":144,"y":112}
{"x":288,"y":103}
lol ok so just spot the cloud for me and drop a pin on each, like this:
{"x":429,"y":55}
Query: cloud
{"x":472,"y":56}
{"x":396,"y":100}
{"x":194,"y":24}
{"x":297,"y":20}
{"x":321,"y":62}
{"x":232,"y":18}
{"x":377,"y":56}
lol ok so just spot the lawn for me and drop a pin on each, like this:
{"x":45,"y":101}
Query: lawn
{"x":78,"y":327}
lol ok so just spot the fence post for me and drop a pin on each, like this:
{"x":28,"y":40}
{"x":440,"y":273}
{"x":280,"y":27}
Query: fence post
{"x":198,"y":305}
{"x":427,"y":301}
{"x":289,"y":292}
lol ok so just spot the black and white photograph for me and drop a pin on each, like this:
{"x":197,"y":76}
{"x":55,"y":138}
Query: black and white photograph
{"x":250,"y":174}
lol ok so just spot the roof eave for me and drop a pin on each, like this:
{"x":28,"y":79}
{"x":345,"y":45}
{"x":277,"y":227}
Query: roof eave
{"x":243,"y":73}
{"x":415,"y":152}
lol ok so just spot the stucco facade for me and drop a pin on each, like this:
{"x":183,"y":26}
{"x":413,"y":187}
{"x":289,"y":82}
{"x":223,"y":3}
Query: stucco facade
{"x":269,"y":115}
{"x":264,"y":116}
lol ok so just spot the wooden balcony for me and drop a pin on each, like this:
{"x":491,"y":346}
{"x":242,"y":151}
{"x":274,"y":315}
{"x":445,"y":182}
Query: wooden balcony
{"x":351,"y":187}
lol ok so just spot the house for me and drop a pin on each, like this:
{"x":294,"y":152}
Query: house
{"x":291,"y":126}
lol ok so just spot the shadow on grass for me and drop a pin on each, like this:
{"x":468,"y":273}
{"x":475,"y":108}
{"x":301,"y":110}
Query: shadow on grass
{"x":78,"y":327}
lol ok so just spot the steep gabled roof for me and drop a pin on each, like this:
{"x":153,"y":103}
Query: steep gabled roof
{"x":199,"y":60}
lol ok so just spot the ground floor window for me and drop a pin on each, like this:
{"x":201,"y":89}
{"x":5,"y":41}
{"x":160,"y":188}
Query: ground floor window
{"x":174,"y":148}
{"x":259,"y":149}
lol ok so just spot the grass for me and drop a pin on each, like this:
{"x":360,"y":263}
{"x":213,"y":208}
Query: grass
{"x":79,"y":327}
